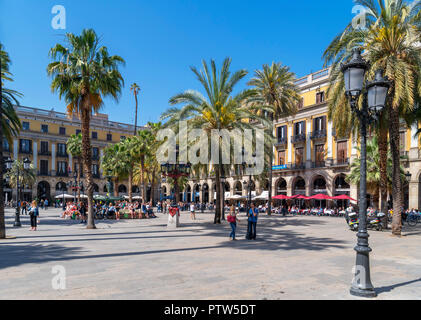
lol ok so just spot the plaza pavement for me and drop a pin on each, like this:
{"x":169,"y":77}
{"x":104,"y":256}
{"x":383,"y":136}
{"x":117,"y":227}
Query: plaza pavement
{"x":293,"y":258}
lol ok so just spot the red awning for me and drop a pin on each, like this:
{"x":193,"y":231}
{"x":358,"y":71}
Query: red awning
{"x":343,"y":197}
{"x":321,"y":197}
{"x":281,"y":197}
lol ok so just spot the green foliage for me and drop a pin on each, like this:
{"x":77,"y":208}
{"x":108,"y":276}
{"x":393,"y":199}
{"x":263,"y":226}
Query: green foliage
{"x":26,"y":177}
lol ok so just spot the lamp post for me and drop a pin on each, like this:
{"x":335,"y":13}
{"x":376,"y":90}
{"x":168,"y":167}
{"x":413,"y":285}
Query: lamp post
{"x":374,"y":100}
{"x":26,"y":166}
{"x":248,"y":185}
{"x":223,"y":180}
{"x":175,"y":171}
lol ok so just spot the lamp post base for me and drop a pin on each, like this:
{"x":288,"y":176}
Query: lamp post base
{"x":17,"y":219}
{"x":173,"y":221}
{"x":367,"y":293}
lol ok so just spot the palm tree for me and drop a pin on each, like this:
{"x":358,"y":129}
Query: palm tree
{"x":220,"y":109}
{"x":390,"y":41}
{"x":9,"y":122}
{"x":275,"y":87}
{"x":141,"y":150}
{"x":373,"y":161}
{"x":136,"y":89}
{"x":26,"y":176}
{"x":115,"y":163}
{"x":84,"y":73}
{"x":74,"y":147}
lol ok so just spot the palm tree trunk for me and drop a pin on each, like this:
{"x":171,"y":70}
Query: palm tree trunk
{"x":78,"y":179}
{"x":396,"y":170}
{"x":130,"y":185}
{"x":116,"y":187}
{"x":135,"y":119}
{"x":153,"y":187}
{"x":270,"y":184}
{"x":217,"y":218}
{"x":383,"y":149}
{"x":142,"y":178}
{"x":87,"y":159}
{"x":2,"y":224}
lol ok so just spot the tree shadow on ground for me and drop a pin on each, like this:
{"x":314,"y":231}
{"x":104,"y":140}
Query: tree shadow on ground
{"x":390,"y":288}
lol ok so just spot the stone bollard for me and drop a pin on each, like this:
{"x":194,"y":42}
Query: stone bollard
{"x":173,"y":218}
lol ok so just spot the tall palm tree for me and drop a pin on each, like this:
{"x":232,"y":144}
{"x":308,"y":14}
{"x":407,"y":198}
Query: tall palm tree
{"x":9,"y":122}
{"x":136,"y":89}
{"x":220,"y":109}
{"x":84,"y":73}
{"x":115,"y":163}
{"x":391,"y":42}
{"x":275,"y":87}
{"x":141,"y":150}
{"x":74,"y":147}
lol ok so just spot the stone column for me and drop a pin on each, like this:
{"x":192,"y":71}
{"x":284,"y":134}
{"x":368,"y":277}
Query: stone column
{"x":308,"y":144}
{"x":289,"y":144}
{"x":34,"y":155}
{"x":414,"y":195}
{"x":329,"y":143}
{"x":53,"y":161}
{"x":15,"y":149}
{"x":413,"y":151}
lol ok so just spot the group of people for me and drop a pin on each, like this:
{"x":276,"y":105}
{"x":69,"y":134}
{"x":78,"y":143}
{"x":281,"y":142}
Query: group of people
{"x":252,"y":217}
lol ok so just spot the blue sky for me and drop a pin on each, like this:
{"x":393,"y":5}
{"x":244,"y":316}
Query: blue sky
{"x":160,"y":40}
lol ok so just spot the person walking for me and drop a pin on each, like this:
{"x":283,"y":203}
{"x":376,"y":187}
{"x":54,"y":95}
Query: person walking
{"x":34,"y":213}
{"x":252,"y":222}
{"x":192,"y":212}
{"x":82,"y":211}
{"x":232,"y":219}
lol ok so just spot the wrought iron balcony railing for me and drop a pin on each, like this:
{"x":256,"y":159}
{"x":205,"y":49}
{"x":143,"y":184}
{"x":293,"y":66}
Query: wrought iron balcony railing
{"x":298,"y":138}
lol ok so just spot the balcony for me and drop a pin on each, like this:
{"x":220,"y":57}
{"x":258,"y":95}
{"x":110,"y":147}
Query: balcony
{"x":44,"y":153}
{"x":95,"y":157}
{"x":290,"y":166}
{"x":281,"y":142}
{"x":62,"y":154}
{"x":337,"y":137}
{"x":340,"y":162}
{"x":318,"y":135}
{"x":318,"y":164}
{"x":23,"y":151}
{"x":62,"y":174}
{"x":44,"y":173}
{"x":96,"y":176}
{"x":299,"y":138}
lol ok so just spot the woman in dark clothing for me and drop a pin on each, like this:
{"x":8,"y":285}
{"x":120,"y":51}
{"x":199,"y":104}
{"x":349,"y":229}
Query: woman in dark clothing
{"x":82,"y":211}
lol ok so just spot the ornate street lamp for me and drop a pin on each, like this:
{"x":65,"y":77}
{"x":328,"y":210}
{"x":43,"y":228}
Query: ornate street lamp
{"x":175,"y":171}
{"x":26,"y":166}
{"x":248,"y":185}
{"x":373,"y":103}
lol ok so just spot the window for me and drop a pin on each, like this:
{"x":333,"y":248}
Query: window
{"x":6,"y":146}
{"x":62,"y":131}
{"x":61,"y":149}
{"x":25,"y":125}
{"x":44,"y":128}
{"x":320,"y":153}
{"x":78,"y":131}
{"x":319,"y":124}
{"x":62,"y":168}
{"x":25,"y":145}
{"x":94,"y":135}
{"x":402,"y":141}
{"x":44,"y":167}
{"x":95,"y":170}
{"x":282,"y":157}
{"x":109,"y":137}
{"x":44,"y":147}
{"x":300,"y":104}
{"x":281,"y":133}
{"x":299,"y":155}
{"x":342,"y":151}
{"x":95,"y":153}
{"x":320,"y":97}
{"x":300,"y":128}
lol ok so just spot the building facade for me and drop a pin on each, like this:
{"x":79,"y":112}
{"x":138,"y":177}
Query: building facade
{"x":43,"y":141}
{"x":309,"y":158}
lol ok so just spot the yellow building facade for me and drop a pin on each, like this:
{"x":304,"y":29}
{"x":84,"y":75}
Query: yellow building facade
{"x":43,"y":141}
